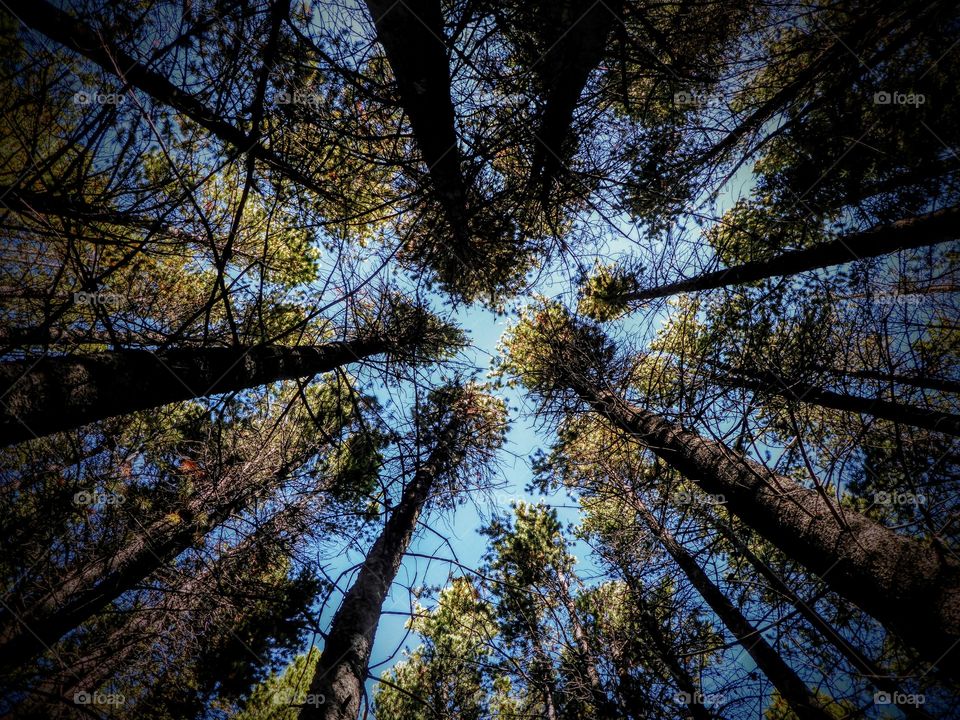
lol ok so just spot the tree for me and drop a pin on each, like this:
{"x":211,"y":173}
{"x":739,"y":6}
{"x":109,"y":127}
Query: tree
{"x":530,"y":569}
{"x":910,"y":233}
{"x":461,"y":424}
{"x":887,"y":575}
{"x":450,"y":674}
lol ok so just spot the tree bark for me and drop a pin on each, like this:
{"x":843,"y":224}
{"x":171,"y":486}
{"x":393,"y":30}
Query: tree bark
{"x":412,"y":35}
{"x":931,"y":229}
{"x":53,"y":394}
{"x":871,"y":672}
{"x":577,"y":41}
{"x":918,"y":381}
{"x":786,"y":681}
{"x":661,"y":645}
{"x":907,"y":585}
{"x":833,"y":66}
{"x":342,"y":667}
{"x":44,"y":621}
{"x":602,"y":704}
{"x":760,"y":381}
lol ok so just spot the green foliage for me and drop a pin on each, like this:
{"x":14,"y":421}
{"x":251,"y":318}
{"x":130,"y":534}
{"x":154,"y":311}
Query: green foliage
{"x":548,"y":346}
{"x":603,"y":295}
{"x":450,"y":673}
{"x":279,"y":696}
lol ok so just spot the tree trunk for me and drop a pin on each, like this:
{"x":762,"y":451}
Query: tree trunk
{"x":661,"y":645}
{"x":577,"y":41}
{"x":60,"y":393}
{"x":760,"y":381}
{"x":918,"y":381}
{"x":909,"y":586}
{"x":833,"y":67}
{"x":150,"y":626}
{"x":786,"y":681}
{"x":43,"y":621}
{"x":930,"y":229}
{"x":873,"y":674}
{"x":412,"y":35}
{"x":602,"y":704}
{"x":342,"y":668}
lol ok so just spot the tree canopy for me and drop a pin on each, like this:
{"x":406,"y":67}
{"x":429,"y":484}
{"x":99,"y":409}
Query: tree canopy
{"x":473,"y":359}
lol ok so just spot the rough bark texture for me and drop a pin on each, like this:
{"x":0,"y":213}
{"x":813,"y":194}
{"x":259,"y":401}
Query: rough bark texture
{"x":877,"y":677}
{"x":576,"y":40}
{"x":771,"y":383}
{"x":75,"y":35}
{"x":787,"y":682}
{"x":342,"y":667}
{"x":43,"y":621}
{"x":930,"y":229}
{"x":59,"y":393}
{"x":412,"y":35}
{"x":907,"y":585}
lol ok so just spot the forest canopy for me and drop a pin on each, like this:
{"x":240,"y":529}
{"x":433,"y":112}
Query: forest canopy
{"x":414,"y":359}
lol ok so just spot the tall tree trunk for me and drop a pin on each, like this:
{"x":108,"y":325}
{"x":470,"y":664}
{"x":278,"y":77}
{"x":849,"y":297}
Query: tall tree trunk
{"x":786,"y":681}
{"x":52,"y":394}
{"x":602,"y":704}
{"x":668,"y":656}
{"x":43,"y":621}
{"x":918,"y":381}
{"x":150,"y":626}
{"x":839,"y":62}
{"x":342,"y":667}
{"x":871,"y":672}
{"x":412,"y":35}
{"x":547,"y":687}
{"x":907,"y":585}
{"x":576,"y":40}
{"x":92,"y":44}
{"x":931,"y":229}
{"x":761,"y":381}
